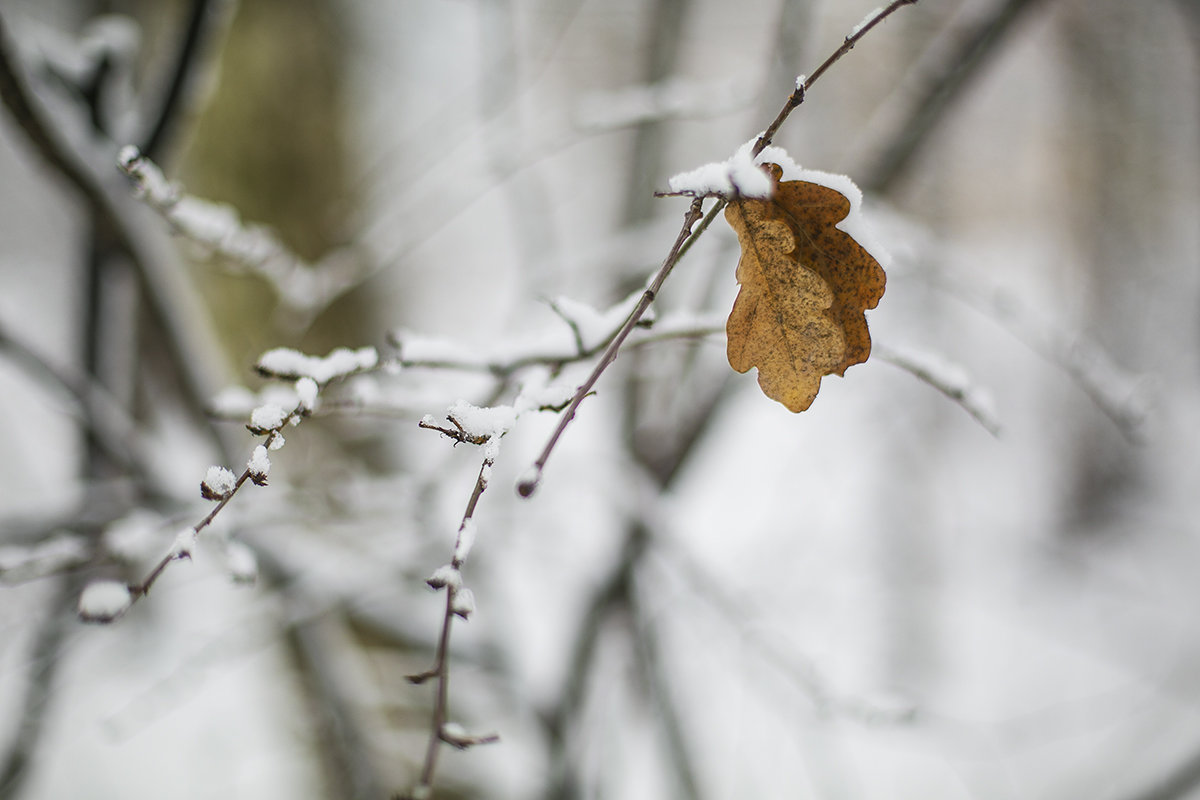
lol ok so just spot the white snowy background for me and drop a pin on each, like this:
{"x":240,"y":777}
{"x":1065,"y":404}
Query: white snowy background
{"x":877,"y":598}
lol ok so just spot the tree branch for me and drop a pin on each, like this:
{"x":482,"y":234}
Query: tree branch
{"x":186,"y":57}
{"x":188,"y":333}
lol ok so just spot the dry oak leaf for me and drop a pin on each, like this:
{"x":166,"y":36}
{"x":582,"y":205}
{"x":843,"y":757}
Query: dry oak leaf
{"x":805,"y":285}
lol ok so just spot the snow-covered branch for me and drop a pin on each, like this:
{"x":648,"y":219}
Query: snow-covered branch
{"x":219,"y":232}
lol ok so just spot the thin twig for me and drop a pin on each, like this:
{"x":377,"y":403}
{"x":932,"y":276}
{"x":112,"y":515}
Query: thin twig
{"x":797,"y":97}
{"x":529,"y":484}
{"x":439,"y":732}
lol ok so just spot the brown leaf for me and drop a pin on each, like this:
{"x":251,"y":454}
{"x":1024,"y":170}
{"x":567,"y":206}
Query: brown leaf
{"x":805,"y":285}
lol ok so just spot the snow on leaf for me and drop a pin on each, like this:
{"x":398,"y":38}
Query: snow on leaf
{"x":805,"y":284}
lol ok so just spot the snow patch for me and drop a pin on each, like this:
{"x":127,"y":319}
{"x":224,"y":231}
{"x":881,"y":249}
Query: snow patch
{"x":284,"y":362}
{"x":104,"y":601}
{"x":739,"y":175}
{"x":268,"y":417}
{"x":466,"y":540}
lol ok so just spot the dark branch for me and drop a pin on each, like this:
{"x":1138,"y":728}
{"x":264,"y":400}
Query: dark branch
{"x":187,"y":58}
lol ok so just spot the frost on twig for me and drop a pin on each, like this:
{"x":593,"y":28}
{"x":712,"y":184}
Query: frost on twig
{"x":585,"y":332}
{"x":948,"y":378}
{"x":218,"y":231}
{"x":1122,"y":395}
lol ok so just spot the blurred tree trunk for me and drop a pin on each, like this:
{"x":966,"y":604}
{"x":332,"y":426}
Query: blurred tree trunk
{"x":1124,"y":148}
{"x":271,"y":141}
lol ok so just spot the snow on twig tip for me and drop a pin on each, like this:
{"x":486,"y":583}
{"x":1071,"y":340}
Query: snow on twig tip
{"x":218,"y":483}
{"x":104,"y":601}
{"x":462,"y":602}
{"x":266,"y":418}
{"x":259,"y":465}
